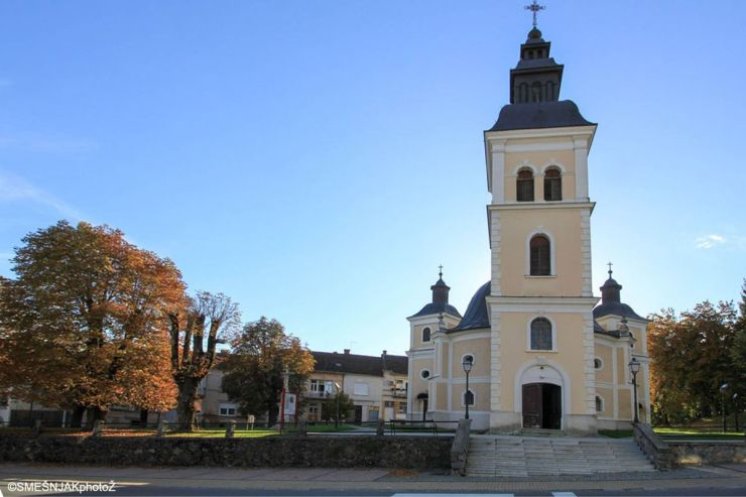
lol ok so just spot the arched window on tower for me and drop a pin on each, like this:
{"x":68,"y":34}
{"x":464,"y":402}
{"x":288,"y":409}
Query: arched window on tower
{"x":541,"y":334}
{"x":536,"y":92}
{"x":552,"y":184}
{"x":525,"y":185}
{"x":540,"y":256}
{"x":426,"y":335}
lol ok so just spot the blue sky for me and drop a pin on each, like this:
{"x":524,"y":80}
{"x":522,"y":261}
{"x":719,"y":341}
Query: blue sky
{"x":317,"y":160}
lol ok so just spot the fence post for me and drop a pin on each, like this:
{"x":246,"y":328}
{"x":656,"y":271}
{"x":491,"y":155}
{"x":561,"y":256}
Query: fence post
{"x":98,"y":428}
{"x":162,"y":429}
{"x":380,"y":428}
{"x":230,"y":431}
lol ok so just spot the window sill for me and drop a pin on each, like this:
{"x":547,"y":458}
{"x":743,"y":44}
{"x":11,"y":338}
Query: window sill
{"x":541,"y":351}
{"x":539,"y":276}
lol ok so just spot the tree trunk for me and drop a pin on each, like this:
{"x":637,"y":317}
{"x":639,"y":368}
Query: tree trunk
{"x":185,"y":405}
{"x":144,"y":418}
{"x":76,"y":421}
{"x":94,"y":414}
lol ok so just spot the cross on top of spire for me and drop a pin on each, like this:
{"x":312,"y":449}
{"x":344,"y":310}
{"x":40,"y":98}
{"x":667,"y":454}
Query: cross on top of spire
{"x":534,"y":7}
{"x":610,"y":271}
{"x":440,"y":271}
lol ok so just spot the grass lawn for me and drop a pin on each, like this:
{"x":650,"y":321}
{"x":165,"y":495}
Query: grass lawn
{"x":690,"y":433}
{"x":615,"y":433}
{"x":220,"y":433}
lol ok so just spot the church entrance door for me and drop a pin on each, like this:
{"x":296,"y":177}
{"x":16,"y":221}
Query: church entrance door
{"x":542,"y":406}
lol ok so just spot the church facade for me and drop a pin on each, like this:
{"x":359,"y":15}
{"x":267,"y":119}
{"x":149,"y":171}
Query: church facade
{"x":543,"y":353}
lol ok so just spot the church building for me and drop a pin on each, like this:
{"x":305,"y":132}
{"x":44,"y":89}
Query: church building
{"x":541,"y":351}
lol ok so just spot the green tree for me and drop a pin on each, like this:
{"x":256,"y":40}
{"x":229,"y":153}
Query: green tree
{"x":690,"y":358}
{"x":82,"y":325}
{"x":196,"y":330}
{"x":337,"y":408}
{"x":262,"y":353}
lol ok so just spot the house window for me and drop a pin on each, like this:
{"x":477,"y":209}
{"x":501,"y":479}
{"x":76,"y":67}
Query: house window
{"x":541,"y":334}
{"x":426,"y":335}
{"x":599,"y":404}
{"x":360,"y":389}
{"x":227,"y":409}
{"x":318,"y":387}
{"x":402,"y":407}
{"x":552,"y":184}
{"x":540,"y":256}
{"x":525,"y":186}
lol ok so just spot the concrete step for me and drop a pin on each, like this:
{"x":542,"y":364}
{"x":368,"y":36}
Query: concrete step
{"x":508,"y":456}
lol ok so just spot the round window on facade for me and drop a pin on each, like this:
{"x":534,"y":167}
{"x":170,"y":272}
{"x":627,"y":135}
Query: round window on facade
{"x":598,"y":363}
{"x":425,"y":374}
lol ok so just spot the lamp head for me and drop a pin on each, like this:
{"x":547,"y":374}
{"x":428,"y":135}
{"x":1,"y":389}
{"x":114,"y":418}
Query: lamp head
{"x":634,"y":365}
{"x":467,"y":363}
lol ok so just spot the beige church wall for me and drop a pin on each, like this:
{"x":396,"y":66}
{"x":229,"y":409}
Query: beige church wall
{"x":565,"y":159}
{"x":444,"y":360}
{"x":621,"y":366}
{"x":419,"y":385}
{"x":481,"y":396}
{"x":442,"y":396}
{"x":480,"y":349}
{"x":625,"y":404}
{"x":606,"y":373}
{"x":417,"y":336}
{"x":607,"y":395}
{"x":515,"y":354}
{"x":564,"y":228}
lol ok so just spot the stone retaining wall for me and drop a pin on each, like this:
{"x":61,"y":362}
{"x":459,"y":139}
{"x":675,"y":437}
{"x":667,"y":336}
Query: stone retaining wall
{"x":675,"y":453}
{"x":715,"y":452}
{"x":338,"y":452}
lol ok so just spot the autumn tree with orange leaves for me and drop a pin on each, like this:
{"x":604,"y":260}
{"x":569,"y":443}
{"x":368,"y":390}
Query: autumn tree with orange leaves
{"x":83,"y":325}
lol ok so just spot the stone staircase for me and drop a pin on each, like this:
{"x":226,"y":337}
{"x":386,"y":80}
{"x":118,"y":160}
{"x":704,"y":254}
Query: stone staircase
{"x":512,"y":456}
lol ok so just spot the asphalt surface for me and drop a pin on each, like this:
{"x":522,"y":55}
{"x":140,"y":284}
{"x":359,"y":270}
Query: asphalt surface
{"x":38,"y":479}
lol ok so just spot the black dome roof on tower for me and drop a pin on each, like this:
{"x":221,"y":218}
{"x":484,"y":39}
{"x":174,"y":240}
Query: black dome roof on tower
{"x":440,"y":300}
{"x":534,"y":91}
{"x":611,"y":302}
{"x":476,"y":315}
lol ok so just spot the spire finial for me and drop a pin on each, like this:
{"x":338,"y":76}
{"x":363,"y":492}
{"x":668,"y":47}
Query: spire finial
{"x":535,"y":8}
{"x":610,"y":271}
{"x":440,"y":271}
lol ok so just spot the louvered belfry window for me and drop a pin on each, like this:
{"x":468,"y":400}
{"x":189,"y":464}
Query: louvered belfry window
{"x":552,"y":184}
{"x":525,"y":186}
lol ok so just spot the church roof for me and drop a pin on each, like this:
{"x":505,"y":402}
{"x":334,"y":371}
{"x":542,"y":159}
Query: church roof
{"x":611,"y":302}
{"x":437,"y":308}
{"x":439,"y":303}
{"x":539,"y":115}
{"x":476,"y":315}
{"x":334,"y":362}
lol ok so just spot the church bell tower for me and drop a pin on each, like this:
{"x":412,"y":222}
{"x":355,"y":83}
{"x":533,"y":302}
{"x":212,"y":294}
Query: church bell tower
{"x":541,"y":299}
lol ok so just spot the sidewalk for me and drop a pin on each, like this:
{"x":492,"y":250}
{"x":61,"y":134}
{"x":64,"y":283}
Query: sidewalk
{"x":300,"y":479}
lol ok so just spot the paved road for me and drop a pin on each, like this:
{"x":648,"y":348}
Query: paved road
{"x":24,"y":479}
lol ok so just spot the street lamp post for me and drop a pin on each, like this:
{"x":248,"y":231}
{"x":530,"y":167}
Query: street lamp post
{"x":336,"y":418}
{"x":634,"y":368}
{"x":723,"y":388}
{"x":467,"y":363}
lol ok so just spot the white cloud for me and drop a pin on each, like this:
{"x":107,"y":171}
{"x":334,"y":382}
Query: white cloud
{"x":53,"y":144}
{"x":710,"y":241}
{"x":16,"y":189}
